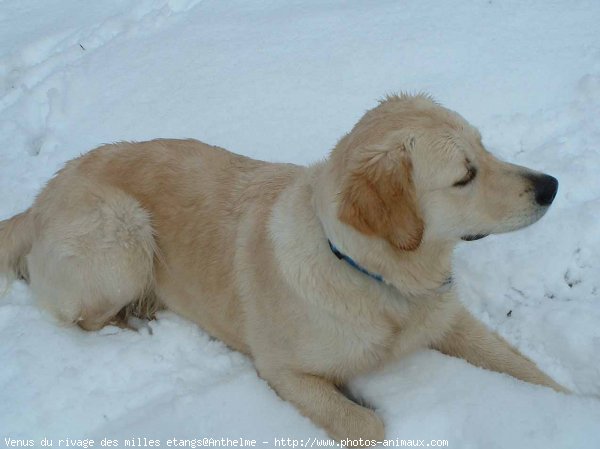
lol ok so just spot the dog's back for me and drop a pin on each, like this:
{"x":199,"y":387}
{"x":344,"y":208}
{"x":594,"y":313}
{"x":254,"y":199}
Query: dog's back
{"x":130,"y":222}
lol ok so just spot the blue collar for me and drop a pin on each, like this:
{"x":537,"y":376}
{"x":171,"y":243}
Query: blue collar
{"x":352,"y":263}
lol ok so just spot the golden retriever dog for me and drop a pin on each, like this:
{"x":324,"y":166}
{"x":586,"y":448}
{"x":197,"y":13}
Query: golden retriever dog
{"x":318,"y":273}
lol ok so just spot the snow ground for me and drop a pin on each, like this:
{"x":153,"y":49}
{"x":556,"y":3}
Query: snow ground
{"x":76,"y":74}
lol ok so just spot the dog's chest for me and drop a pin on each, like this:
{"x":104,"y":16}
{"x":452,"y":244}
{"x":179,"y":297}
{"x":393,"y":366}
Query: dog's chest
{"x":377,"y":335}
{"x":422,"y":322}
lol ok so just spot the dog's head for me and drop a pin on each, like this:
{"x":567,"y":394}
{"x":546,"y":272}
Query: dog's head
{"x":411,"y":170}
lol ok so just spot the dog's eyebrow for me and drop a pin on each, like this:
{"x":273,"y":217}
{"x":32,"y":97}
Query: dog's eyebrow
{"x":470,"y":176}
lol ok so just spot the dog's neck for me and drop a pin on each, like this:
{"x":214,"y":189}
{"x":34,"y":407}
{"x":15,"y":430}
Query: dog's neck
{"x":424,"y":270}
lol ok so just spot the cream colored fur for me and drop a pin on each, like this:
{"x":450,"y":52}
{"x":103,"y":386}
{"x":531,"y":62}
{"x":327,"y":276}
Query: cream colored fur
{"x":241,"y":247}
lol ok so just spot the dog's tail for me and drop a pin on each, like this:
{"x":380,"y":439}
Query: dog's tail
{"x":16,"y":237}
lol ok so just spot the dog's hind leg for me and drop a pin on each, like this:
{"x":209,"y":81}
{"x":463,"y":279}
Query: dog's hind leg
{"x":16,"y":235}
{"x":93,"y":253}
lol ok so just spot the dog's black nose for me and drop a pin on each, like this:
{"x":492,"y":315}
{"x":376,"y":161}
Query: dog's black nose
{"x":545,"y":188}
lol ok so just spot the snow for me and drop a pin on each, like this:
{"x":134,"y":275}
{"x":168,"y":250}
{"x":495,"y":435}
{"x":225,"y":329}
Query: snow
{"x":282,"y":81}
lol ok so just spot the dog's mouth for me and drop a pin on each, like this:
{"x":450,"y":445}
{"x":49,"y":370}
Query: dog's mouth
{"x":471,"y":237}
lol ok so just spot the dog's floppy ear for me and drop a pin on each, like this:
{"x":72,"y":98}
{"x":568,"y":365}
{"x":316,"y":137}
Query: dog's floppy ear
{"x":378,"y":198}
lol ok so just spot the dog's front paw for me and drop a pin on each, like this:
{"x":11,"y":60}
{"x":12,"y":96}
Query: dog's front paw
{"x":358,"y":427}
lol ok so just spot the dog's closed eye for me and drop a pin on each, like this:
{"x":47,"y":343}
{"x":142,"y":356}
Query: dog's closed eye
{"x":470,"y":176}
